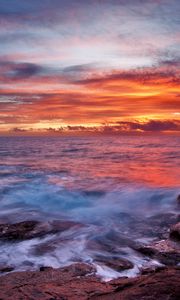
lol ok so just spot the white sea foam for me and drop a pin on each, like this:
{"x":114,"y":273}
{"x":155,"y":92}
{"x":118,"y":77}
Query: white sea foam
{"x":107,"y":187}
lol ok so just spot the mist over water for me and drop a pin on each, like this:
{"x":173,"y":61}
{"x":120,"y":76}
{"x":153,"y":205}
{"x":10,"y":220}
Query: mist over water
{"x":104,"y":184}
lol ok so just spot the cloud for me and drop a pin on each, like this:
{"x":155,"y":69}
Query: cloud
{"x":86,"y":62}
{"x":166,"y":70}
{"x":121,"y":127}
{"x":78,"y":128}
{"x":79,"y":68}
{"x":10,"y":71}
{"x":16,"y":129}
{"x":25,"y":70}
{"x":151,"y":125}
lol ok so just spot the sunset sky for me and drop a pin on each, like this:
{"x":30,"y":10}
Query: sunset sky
{"x":101,"y":64}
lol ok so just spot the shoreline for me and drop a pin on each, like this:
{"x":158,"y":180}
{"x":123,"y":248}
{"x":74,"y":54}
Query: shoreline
{"x":79,"y":282}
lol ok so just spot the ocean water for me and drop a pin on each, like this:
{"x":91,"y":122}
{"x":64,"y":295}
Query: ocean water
{"x":105,"y":184}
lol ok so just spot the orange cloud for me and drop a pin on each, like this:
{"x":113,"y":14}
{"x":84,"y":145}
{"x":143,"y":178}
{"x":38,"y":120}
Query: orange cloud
{"x":34,"y":98}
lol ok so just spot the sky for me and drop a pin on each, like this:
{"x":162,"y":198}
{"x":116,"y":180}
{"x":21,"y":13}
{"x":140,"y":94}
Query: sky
{"x":96,"y":65}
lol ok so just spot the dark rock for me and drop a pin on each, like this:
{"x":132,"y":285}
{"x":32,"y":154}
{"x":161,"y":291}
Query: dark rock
{"x":43,"y":248}
{"x":114,"y":262}
{"x":158,"y":225}
{"x":6,"y":268}
{"x":162,"y":225}
{"x":178,"y":200}
{"x":62,"y":225}
{"x":165,"y":251}
{"x":175,"y":232}
{"x":18,"y":231}
{"x":101,"y":243}
{"x":32,"y":229}
{"x":152,"y":269}
{"x":44,"y":268}
{"x":110,"y":242}
{"x":154,"y":226}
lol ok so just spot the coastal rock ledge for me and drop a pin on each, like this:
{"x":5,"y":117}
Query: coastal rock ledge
{"x":78,"y":282}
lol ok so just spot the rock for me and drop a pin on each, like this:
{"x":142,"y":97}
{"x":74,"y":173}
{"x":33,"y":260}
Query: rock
{"x":165,"y":251}
{"x":18,"y":231}
{"x":6,"y":268}
{"x":62,"y":225}
{"x":158,"y":225}
{"x":116,"y":263}
{"x":74,"y":270}
{"x":53,"y":284}
{"x":175,"y":232}
{"x":79,"y":269}
{"x":67,"y":284}
{"x":43,"y":248}
{"x":178,"y":200}
{"x":154,"y":226}
{"x":164,"y":285}
{"x":110,"y":242}
{"x":152,"y":269}
{"x":32,"y":229}
{"x":44,"y":268}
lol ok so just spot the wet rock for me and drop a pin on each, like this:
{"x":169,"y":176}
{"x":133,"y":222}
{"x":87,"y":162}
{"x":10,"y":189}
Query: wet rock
{"x":155,"y":226}
{"x":158,"y":225}
{"x":6,"y":268}
{"x":66,"y":283}
{"x":152,"y":269}
{"x":101,"y":243}
{"x":129,"y":225}
{"x":79,"y":269}
{"x":62,"y":225}
{"x":116,"y":263}
{"x":178,"y":200}
{"x":45,"y":269}
{"x":43,"y":248}
{"x":175,"y":232}
{"x":32,"y":229}
{"x":74,"y":270}
{"x":165,"y":251}
{"x":18,"y":231}
{"x":110,"y":242}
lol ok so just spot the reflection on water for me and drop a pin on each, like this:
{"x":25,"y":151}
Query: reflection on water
{"x":90,"y":180}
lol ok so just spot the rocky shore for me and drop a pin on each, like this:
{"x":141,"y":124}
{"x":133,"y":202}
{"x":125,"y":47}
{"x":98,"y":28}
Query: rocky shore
{"x":80,"y":280}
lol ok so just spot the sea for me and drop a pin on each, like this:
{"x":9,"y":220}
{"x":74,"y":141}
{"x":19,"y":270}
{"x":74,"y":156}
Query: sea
{"x":105,"y":184}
